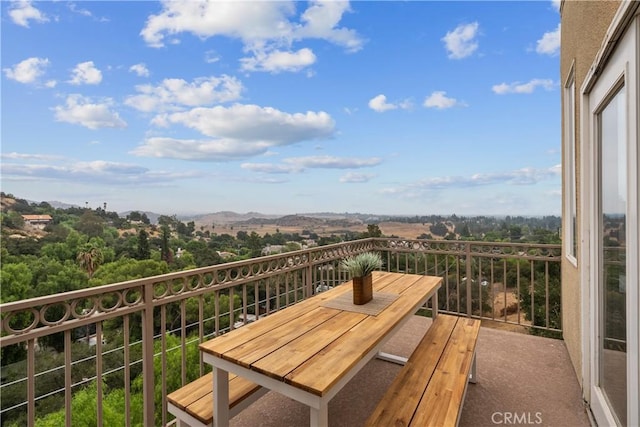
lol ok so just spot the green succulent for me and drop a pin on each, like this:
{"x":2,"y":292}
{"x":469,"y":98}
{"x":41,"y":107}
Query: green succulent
{"x":362,"y":264}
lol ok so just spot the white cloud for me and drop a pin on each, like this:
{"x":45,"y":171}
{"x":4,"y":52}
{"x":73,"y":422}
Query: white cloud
{"x":379,"y":103}
{"x":556,"y":5}
{"x":140,"y":69}
{"x":267,"y":29}
{"x":94,"y":172}
{"x":74,"y":8}
{"x":174,"y":93}
{"x":255,"y":123}
{"x":524,"y":176}
{"x":354,"y":177}
{"x":82,"y":111}
{"x":461,"y":42}
{"x":321,"y":20}
{"x":277,"y":61}
{"x":249,"y":21}
{"x":22,"y":11}
{"x":331,"y":162}
{"x":299,"y":164}
{"x":27,"y":71}
{"x":211,"y":56}
{"x":270,"y":168}
{"x":199,"y":149}
{"x":235,"y":132}
{"x":441,"y":101}
{"x":549,"y":44}
{"x":85,"y":73}
{"x":517,"y":87}
{"x":25,"y":156}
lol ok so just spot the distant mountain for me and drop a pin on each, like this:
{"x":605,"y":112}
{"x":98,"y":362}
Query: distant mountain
{"x":59,"y":205}
{"x":303,"y":221}
{"x":153,"y":217}
{"x":228,"y":217}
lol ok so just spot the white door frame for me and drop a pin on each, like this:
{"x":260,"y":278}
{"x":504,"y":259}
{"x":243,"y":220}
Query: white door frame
{"x":617,"y":60}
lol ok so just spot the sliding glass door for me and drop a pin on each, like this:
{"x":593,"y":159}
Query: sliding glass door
{"x":614,"y":233}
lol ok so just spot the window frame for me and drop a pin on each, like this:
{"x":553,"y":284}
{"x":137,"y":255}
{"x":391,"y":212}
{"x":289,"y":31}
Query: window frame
{"x":570,"y":234}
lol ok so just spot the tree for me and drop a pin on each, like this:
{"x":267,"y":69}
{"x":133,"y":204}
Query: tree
{"x":137,"y":216}
{"x":15,"y":282}
{"x":90,"y":224}
{"x":127,"y":269}
{"x":90,"y":258}
{"x":144,"y":251}
{"x":439,"y":229}
{"x":83,"y":408}
{"x":12,"y":219}
{"x":166,"y":254}
{"x":373,"y":230}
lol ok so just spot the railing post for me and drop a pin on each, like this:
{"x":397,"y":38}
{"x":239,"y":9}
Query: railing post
{"x":148,"y":386}
{"x":309,"y":278}
{"x":467,"y":251}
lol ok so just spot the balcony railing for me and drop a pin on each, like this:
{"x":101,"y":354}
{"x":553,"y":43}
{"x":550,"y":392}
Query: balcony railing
{"x":140,"y":338}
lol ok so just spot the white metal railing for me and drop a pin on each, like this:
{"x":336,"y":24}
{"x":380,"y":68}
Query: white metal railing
{"x":152,"y":326}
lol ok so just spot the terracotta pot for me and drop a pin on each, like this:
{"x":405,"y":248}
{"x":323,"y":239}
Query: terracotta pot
{"x":362,"y":289}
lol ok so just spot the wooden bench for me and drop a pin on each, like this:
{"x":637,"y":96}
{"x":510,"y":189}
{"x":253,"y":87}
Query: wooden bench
{"x":192,"y":404}
{"x":430,"y":388}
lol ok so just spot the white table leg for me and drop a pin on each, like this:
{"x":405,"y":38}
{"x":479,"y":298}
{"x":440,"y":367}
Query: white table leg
{"x":320,"y":416}
{"x":221,"y":398}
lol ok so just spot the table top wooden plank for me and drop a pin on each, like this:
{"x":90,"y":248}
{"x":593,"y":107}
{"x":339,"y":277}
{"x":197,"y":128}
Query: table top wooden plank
{"x":279,"y":363}
{"x":325,"y":369}
{"x":230,"y":340}
{"x":403,"y":282}
{"x":249,"y":351}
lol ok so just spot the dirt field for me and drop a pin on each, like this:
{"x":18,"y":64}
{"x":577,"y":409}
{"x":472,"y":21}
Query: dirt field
{"x":406,"y":231}
{"x":508,"y":300}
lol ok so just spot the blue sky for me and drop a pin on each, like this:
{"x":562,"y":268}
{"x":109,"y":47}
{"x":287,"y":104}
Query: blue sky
{"x":410,"y":108}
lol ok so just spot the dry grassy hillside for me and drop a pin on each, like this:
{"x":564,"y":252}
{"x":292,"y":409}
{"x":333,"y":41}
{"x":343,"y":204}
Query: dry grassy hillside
{"x":318,"y":226}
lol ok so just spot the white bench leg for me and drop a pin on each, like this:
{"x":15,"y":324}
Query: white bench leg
{"x":472,"y":377}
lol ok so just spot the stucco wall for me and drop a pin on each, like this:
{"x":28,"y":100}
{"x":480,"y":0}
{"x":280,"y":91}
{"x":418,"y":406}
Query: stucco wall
{"x":584,"y":25}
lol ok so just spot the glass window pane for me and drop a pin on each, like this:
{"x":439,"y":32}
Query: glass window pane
{"x":613,"y":204}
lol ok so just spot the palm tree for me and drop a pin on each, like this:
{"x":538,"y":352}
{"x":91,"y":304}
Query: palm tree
{"x":89,"y":258}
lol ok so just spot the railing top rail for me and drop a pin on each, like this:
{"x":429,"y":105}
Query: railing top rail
{"x":474,"y":248}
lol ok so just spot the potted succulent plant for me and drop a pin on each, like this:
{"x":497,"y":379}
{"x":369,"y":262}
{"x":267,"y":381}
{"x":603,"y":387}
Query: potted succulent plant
{"x":360,"y":268}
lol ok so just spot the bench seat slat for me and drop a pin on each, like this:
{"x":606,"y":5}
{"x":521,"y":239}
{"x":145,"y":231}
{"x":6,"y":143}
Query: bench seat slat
{"x":399,"y":406}
{"x":196,"y":398}
{"x":443,"y":398}
{"x":429,"y":390}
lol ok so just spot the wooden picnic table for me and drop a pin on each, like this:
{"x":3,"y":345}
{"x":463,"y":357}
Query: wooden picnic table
{"x":310,"y":350}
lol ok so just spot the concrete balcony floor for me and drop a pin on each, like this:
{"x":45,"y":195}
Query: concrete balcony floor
{"x":517,"y":374}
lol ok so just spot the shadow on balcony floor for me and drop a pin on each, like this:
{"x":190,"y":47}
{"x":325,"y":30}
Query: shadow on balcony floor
{"x":522,"y":380}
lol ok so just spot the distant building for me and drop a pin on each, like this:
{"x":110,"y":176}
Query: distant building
{"x":37,"y":221}
{"x":273,"y":249}
{"x":225,"y":254}
{"x":250,"y":318}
